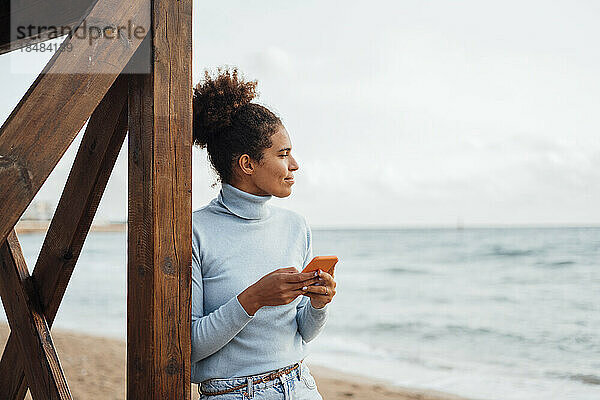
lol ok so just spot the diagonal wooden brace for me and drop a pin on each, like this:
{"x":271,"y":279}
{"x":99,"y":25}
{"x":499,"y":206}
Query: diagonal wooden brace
{"x":28,"y":323}
{"x":44,"y":123}
{"x":89,"y":175}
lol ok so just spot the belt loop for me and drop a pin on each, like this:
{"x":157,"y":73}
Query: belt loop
{"x":284,"y":387}
{"x":299,"y":370}
{"x":250,"y":387}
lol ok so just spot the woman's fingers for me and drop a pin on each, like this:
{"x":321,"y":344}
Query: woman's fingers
{"x":322,"y":290}
{"x":304,"y":284}
{"x":322,"y":293}
{"x":299,"y":277}
{"x":327,"y":286}
{"x":308,"y":283}
{"x":327,"y":278}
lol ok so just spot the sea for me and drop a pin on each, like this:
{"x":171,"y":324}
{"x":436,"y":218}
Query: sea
{"x":486,"y":313}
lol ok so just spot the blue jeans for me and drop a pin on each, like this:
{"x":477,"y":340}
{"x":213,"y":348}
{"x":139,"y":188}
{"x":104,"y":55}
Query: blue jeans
{"x":298,"y":384}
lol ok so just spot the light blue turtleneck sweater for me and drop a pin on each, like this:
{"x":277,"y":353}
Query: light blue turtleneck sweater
{"x":237,"y":239}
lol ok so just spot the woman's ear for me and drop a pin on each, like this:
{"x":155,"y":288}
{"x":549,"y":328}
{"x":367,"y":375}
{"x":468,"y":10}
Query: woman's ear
{"x":246,"y":164}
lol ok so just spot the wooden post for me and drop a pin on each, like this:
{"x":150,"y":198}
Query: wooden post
{"x":159,"y":234}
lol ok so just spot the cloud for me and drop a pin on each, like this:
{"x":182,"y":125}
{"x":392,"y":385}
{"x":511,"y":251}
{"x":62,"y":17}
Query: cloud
{"x":401,"y":113}
{"x":273,"y":62}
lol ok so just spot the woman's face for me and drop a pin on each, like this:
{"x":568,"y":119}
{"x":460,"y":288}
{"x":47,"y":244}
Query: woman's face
{"x":274,"y":174}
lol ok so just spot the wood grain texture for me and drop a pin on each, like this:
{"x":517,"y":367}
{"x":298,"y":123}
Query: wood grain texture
{"x":44,"y":123}
{"x":74,"y":214}
{"x":159,"y":236}
{"x":27,"y":321}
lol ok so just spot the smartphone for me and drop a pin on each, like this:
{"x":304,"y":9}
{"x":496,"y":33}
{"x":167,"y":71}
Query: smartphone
{"x":324,"y":263}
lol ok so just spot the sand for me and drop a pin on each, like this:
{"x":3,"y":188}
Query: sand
{"x":95,"y":369}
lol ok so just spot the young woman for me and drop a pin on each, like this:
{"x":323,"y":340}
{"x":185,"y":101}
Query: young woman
{"x":253,"y":312}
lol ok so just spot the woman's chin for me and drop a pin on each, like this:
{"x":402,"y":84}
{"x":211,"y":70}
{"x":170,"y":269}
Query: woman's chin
{"x":284,"y":192}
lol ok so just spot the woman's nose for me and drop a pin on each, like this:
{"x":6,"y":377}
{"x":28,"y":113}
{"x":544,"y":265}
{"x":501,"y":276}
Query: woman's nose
{"x":293,"y":165}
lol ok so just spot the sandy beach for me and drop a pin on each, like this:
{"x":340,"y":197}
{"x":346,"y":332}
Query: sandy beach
{"x":28,"y":226}
{"x":95,"y":368}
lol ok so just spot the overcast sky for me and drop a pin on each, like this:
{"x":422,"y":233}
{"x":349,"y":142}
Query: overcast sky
{"x":406,"y":113}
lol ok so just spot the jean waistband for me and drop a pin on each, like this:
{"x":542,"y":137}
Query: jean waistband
{"x":252,"y":382}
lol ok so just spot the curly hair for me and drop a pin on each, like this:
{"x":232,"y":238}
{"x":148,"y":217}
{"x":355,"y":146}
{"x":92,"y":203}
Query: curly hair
{"x":227,"y":124}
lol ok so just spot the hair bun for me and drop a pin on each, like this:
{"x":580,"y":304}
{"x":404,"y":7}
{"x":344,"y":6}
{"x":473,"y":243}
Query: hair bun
{"x":215,"y":100}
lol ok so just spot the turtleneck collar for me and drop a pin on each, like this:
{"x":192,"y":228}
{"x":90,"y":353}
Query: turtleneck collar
{"x":243,"y":204}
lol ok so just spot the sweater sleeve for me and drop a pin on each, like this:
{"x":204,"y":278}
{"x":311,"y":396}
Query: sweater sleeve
{"x":213,"y":331}
{"x":310,"y":320}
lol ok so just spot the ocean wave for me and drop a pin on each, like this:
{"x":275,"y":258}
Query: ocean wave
{"x":563,"y":263}
{"x":503,"y":299}
{"x":400,"y":270}
{"x":432,"y":332}
{"x":342,"y":345}
{"x":403,"y":326}
{"x":474,"y":332}
{"x":506,"y":252}
{"x":587,"y":379}
{"x":555,"y":264}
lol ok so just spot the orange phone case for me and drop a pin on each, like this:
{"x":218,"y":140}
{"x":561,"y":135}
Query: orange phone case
{"x":324,"y":263}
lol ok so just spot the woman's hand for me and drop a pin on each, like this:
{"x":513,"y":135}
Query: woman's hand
{"x":323,"y":292}
{"x":279,"y":287}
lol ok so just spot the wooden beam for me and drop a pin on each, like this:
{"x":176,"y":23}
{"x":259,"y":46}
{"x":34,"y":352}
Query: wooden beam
{"x":159,"y":234}
{"x":89,"y":175}
{"x":27,"y":321}
{"x":58,"y":103}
